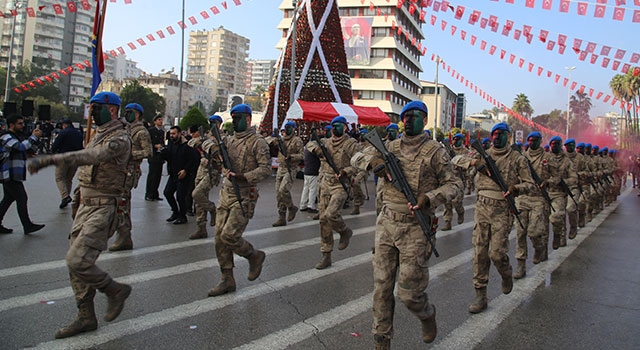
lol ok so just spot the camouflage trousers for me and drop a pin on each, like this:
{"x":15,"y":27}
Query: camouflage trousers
{"x":401,"y":250}
{"x":123,"y":228}
{"x":379,"y":186}
{"x":456,"y":203}
{"x":534,"y":215}
{"x":572,"y":209}
{"x":470,"y":176}
{"x":64,"y":179}
{"x":358,"y":194}
{"x":230,"y":225}
{"x":493,"y":222}
{"x":201,"y":200}
{"x":558,"y":218}
{"x":332,"y":198}
{"x":94,"y":223}
{"x":584,"y":198}
{"x":283,"y":190}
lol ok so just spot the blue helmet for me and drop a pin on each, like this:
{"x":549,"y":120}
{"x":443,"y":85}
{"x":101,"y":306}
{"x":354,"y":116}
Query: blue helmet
{"x":569,"y":140}
{"x":501,"y":126}
{"x":534,"y":134}
{"x":135,"y":107}
{"x":241,"y":108}
{"x":215,"y":118}
{"x":106,"y":97}
{"x":339,"y":119}
{"x":486,"y":139}
{"x":580,"y":144}
{"x":290,"y":123}
{"x":458,"y":135}
{"x":419,"y":105}
{"x":392,"y":126}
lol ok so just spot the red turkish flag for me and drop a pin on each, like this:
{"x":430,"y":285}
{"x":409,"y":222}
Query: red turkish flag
{"x":502,"y":53}
{"x":582,"y":8}
{"x":526,"y":30}
{"x":530,"y":3}
{"x":459,"y":12}
{"x":423,"y":13}
{"x":483,"y":45}
{"x":618,"y":13}
{"x":546,"y":4}
{"x":17,"y":90}
{"x":549,"y":74}
{"x":583,"y":55}
{"x":58,"y":9}
{"x":505,"y":31}
{"x":564,"y":5}
{"x":32,"y":84}
{"x":214,"y":10}
{"x":605,"y":50}
{"x":121,"y":50}
{"x":516,"y":34}
{"x":433,"y":20}
{"x":594,"y":58}
{"x":531,"y":65}
{"x":581,"y":90}
{"x":443,"y":24}
{"x":620,"y":54}
{"x":602,"y":1}
{"x":590,"y":47}
{"x":493,"y":21}
{"x":636,"y":71}
{"x":224,"y":4}
{"x":463,"y":34}
{"x":132,"y":45}
{"x":483,"y":23}
{"x":55,"y":75}
{"x":182,"y":25}
{"x":453,"y":29}
{"x":635,"y":58}
{"x":444,"y":6}
{"x":39,"y":81}
{"x":605,"y":62}
{"x":160,"y":34}
{"x":606,"y":98}
{"x":557,"y":78}
{"x":170,"y":30}
{"x":573,"y":85}
{"x":615,"y":65}
{"x":72,"y":6}
{"x":473,"y":40}
{"x":621,"y":2}
{"x":600,"y":93}
{"x":113,"y":53}
{"x":512,"y":57}
{"x":636,"y":16}
{"x":636,"y":2}
{"x":474,"y":17}
{"x":48,"y":78}
{"x":492,"y":49}
{"x":412,"y":9}
{"x":204,"y":14}
{"x":520,"y":62}
{"x":436,"y":6}
{"x":31,"y":12}
{"x":600,"y":10}
{"x":86,"y":5}
{"x":625,"y":68}
{"x":550,"y":45}
{"x":509,"y":24}
{"x":562,"y":39}
{"x":543,"y":35}
{"x":193,"y":20}
{"x":150,"y":37}
{"x":576,"y":44}
{"x":540,"y":70}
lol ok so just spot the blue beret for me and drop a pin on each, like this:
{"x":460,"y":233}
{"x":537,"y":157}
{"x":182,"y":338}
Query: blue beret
{"x":135,"y":106}
{"x":556,"y":139}
{"x":486,"y":139}
{"x":458,"y":135}
{"x":241,"y":108}
{"x":339,"y":119}
{"x":327,"y":127}
{"x":546,"y":146}
{"x":291,"y":124}
{"x":393,"y":126}
{"x":106,"y":97}
{"x":446,"y":139}
{"x":427,"y":132}
{"x":534,"y":134}
{"x":587,"y":145}
{"x":519,"y":143}
{"x":419,"y":105}
{"x":526,"y":144}
{"x":580,"y":144}
{"x":500,"y":126}
{"x":604,"y":149}
{"x":595,"y":146}
{"x":570,"y":140}
{"x":364,"y":131}
{"x":216,"y":118}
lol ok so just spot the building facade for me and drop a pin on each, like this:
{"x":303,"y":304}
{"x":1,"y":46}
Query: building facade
{"x":217,"y":59}
{"x":451,"y":106}
{"x":59,"y":40}
{"x":120,"y":68}
{"x":260,"y":73}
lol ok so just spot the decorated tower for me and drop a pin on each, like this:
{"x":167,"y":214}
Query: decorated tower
{"x":321,"y":73}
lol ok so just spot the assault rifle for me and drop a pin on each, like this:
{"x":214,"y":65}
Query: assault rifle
{"x":206,"y":155}
{"x":399,"y":181}
{"x":332,"y":164}
{"x":283,"y":150}
{"x":226,"y":162}
{"x":535,"y":177}
{"x":494,"y":174}
{"x":568,"y":190}
{"x":451,"y":155}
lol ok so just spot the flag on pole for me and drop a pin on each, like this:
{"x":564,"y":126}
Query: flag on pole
{"x":96,"y":46}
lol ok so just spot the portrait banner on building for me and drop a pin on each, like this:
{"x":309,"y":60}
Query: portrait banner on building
{"x":356,"y":32}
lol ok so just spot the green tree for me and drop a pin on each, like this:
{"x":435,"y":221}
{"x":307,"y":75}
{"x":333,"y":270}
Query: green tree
{"x":199,"y":105}
{"x":522,"y":105}
{"x":579,"y":105}
{"x":149,"y":100}
{"x":216,"y":107}
{"x":58,"y":110}
{"x":194,"y":117}
{"x":29,"y":71}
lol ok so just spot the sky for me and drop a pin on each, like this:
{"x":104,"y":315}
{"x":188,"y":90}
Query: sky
{"x":258,"y":20}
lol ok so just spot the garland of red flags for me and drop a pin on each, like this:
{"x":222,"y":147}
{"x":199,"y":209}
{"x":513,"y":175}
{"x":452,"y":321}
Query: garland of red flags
{"x":582,"y":7}
{"x":492,"y":22}
{"x":57,"y":9}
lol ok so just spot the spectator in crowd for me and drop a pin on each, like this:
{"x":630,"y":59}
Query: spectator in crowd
{"x":155,"y":161}
{"x":68,"y":140}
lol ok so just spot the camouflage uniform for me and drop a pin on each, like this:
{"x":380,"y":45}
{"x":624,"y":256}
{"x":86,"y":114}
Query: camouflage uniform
{"x":400,"y":244}
{"x":594,"y":187}
{"x":284,"y":179}
{"x":249,"y":155}
{"x":456,"y":202}
{"x":534,"y":211}
{"x":205,"y":180}
{"x":576,"y":214}
{"x":565,"y":170}
{"x":332,"y":194}
{"x":140,"y":149}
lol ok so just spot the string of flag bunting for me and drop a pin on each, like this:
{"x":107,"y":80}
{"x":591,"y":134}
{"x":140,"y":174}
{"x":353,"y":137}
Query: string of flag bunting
{"x":57,"y":9}
{"x":600,"y":7}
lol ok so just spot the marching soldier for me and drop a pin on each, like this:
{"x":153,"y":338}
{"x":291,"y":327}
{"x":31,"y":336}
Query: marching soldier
{"x":565,"y":172}
{"x":288,"y":166}
{"x":102,"y":177}
{"x":573,"y":211}
{"x":456,"y":202}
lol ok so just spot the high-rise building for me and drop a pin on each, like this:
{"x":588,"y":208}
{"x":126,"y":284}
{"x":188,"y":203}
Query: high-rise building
{"x":384,"y":66}
{"x":217,"y":59}
{"x":167,"y":85}
{"x":120,"y":67}
{"x":61,"y":40}
{"x":450,"y":106}
{"x":260,"y":74}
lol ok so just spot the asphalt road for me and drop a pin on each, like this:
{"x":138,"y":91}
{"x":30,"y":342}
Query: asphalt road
{"x":585,"y":297}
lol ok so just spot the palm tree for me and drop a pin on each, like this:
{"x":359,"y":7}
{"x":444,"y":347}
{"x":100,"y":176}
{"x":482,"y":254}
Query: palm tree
{"x":621,"y":90}
{"x":632,"y":86}
{"x":580,"y":105}
{"x":522,"y":105}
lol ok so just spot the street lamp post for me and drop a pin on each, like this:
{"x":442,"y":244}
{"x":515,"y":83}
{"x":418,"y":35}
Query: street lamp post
{"x":293,"y":54}
{"x":435,"y":120}
{"x":570,"y":69}
{"x":181,"y":68}
{"x":7,"y":84}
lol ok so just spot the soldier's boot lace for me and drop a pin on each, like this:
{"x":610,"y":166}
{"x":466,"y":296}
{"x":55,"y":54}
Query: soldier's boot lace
{"x":116,"y":293}
{"x":280,"y":222}
{"x":292,"y":213}
{"x":382,"y":342}
{"x":356,"y":210}
{"x":201,"y":232}
{"x":521,"y":270}
{"x":85,"y":321}
{"x":507,"y":284}
{"x":344,"y":239}
{"x":429,"y":327}
{"x":227,"y":284}
{"x":480,"y":302}
{"x":324,"y":262}
{"x":212,"y":214}
{"x":446,"y":226}
{"x":256,"y":259}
